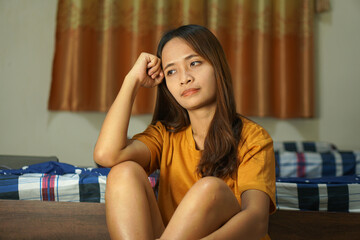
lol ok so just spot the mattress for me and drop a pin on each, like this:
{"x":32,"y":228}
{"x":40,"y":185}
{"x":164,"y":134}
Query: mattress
{"x":310,"y":176}
{"x":316,"y":176}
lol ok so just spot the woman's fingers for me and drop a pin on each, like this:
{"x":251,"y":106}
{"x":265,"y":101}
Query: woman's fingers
{"x":156,"y":76}
{"x":155,"y":70}
{"x":153,"y":74}
{"x":159,"y":76}
{"x":154,"y":60}
{"x":158,"y":79}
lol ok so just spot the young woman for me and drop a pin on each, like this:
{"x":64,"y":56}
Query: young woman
{"x":217,"y":168}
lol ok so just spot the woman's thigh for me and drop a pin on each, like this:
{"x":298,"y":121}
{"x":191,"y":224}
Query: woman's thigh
{"x":205,"y":208}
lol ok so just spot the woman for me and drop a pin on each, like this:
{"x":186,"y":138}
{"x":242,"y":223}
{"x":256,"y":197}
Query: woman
{"x":217,"y":168}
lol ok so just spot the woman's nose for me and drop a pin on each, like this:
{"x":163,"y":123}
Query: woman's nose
{"x":186,"y":78}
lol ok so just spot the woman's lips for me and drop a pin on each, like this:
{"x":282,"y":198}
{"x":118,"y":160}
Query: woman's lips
{"x":189,"y":92}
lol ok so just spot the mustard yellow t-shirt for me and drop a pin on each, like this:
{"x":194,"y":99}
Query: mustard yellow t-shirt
{"x":176,"y":156}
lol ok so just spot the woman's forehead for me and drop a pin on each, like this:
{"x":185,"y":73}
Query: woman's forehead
{"x":176,"y":49}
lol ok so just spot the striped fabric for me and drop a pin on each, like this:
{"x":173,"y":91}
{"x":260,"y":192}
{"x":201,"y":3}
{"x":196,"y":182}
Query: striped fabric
{"x":299,"y":146}
{"x":83,"y":185}
{"x":315,"y":176}
{"x":316,"y":165}
{"x":340,"y":195}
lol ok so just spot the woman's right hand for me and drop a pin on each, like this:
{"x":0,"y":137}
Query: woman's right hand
{"x":147,"y":70}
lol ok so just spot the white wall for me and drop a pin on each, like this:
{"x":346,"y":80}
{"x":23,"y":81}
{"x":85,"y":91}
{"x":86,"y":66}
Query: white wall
{"x":27,"y":36}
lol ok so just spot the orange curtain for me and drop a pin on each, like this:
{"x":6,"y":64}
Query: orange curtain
{"x":269,"y":45}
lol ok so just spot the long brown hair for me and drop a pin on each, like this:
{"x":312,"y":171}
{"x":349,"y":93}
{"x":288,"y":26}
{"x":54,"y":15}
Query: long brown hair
{"x":219,"y":157}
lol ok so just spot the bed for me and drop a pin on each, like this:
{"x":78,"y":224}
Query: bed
{"x":318,"y":197}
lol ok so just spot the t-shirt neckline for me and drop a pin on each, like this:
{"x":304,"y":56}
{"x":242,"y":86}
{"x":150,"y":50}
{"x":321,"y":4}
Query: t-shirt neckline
{"x":190,"y":139}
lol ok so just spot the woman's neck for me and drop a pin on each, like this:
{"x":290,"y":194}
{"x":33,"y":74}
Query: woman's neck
{"x":200,"y":123}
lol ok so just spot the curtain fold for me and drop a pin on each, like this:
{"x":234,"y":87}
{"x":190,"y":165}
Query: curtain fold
{"x":268,"y":43}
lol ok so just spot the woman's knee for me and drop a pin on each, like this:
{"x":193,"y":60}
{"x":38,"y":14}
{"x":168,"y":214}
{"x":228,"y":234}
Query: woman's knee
{"x":124,"y":171}
{"x":213,"y":192}
{"x":211,"y":186}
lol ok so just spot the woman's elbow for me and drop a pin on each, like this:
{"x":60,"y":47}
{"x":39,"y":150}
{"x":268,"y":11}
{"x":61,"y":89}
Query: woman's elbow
{"x":104,"y":158}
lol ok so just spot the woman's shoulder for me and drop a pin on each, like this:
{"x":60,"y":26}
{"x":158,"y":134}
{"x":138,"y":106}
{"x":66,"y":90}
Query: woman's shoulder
{"x":158,"y":125}
{"x":254,"y":139}
{"x":164,"y":129}
{"x":253,"y":130}
{"x":156,"y":129}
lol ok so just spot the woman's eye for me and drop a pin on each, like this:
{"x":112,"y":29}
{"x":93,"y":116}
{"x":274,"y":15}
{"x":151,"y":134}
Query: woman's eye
{"x":194,"y":63}
{"x":170,"y":72}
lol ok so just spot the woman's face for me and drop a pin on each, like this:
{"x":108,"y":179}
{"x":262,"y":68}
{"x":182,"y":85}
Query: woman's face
{"x":189,"y":77}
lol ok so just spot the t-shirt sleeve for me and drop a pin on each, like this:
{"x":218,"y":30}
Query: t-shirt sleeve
{"x":152,"y":137}
{"x":257,"y":163}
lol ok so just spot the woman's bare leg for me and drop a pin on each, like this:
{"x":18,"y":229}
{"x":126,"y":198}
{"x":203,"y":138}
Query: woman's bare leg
{"x":131,"y":208}
{"x":205,"y":208}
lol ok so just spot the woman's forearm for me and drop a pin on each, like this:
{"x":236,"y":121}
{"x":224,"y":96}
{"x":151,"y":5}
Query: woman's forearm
{"x":251,"y":222}
{"x":242,"y":226}
{"x":113,"y":135}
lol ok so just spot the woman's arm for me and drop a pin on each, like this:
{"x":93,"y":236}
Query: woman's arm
{"x":251,"y":222}
{"x":112,"y":146}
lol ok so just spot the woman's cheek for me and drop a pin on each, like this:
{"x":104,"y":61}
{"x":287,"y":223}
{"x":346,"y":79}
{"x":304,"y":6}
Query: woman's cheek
{"x":170,"y":87}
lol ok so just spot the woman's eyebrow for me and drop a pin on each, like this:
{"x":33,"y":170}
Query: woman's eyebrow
{"x":186,"y":58}
{"x":169,"y":65}
{"x":191,"y":56}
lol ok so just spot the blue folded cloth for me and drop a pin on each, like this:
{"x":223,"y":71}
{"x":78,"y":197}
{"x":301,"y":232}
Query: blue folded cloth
{"x":55,"y":168}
